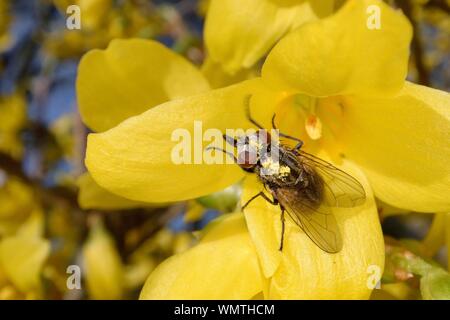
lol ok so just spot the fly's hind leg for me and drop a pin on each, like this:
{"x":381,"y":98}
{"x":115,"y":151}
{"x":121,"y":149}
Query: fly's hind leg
{"x":282,"y":228}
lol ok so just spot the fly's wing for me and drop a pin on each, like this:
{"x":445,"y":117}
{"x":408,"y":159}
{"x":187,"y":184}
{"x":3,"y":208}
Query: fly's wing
{"x":339,"y":188}
{"x":315,"y":219}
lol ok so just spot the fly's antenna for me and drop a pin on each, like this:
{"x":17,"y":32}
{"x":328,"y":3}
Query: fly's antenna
{"x":230,"y":140}
{"x":224,"y":151}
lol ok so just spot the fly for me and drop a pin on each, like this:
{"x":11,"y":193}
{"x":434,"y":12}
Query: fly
{"x":303,"y":185}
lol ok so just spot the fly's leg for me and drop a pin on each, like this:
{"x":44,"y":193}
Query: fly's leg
{"x":274,"y":126}
{"x":275,"y":203}
{"x":300,"y":178}
{"x":247,"y":111}
{"x":299,"y":142}
{"x":263,"y":195}
{"x":282,"y":228}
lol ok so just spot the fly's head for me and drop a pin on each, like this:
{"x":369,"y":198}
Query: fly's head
{"x":251,"y":148}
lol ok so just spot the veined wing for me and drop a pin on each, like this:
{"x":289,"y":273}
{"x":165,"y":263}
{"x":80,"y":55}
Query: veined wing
{"x":339,"y":188}
{"x":314,"y":218}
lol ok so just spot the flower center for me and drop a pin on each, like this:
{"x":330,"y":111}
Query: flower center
{"x":307,"y":106}
{"x":316,"y":121}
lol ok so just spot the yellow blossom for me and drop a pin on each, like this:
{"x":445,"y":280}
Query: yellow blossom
{"x":173,"y":77}
{"x":103,"y":265}
{"x":22,"y":258}
{"x":17,"y":201}
{"x":333,"y":69}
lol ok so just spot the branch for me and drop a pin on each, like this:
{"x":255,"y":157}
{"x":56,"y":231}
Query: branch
{"x":61,"y":194}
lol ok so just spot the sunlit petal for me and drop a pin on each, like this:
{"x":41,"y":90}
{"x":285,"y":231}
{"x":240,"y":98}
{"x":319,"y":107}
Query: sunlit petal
{"x":342,"y":54}
{"x":139,"y":160}
{"x":128,"y":78}
{"x":223,"y":265}
{"x":236,"y":43}
{"x":403,"y":146}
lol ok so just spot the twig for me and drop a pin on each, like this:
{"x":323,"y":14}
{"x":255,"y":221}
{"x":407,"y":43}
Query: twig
{"x":61,"y":194}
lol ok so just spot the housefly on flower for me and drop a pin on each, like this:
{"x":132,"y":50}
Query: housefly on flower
{"x":305,"y":186}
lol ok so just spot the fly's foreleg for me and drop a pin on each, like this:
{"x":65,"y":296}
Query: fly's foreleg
{"x":299,"y":142}
{"x":230,"y":140}
{"x":247,"y":111}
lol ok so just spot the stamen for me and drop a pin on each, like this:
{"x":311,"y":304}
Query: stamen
{"x":313,"y":127}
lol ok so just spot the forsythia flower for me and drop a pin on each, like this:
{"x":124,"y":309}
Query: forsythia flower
{"x":22,"y":258}
{"x":17,"y":201}
{"x":168,"y":75}
{"x":335,"y":83}
{"x":104,"y":269}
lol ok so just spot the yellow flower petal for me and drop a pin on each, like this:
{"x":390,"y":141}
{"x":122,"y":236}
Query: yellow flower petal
{"x":135,"y":159}
{"x":342,"y":55}
{"x":16,"y":198}
{"x":237,"y":42}
{"x":104,"y":270}
{"x":17,"y":201}
{"x":219,"y":78}
{"x":402,"y":144}
{"x":385,"y":210}
{"x":21,"y":259}
{"x":307,"y":272}
{"x":34,"y":226}
{"x":128,"y":78}
{"x":222,"y":266}
{"x":92,"y":196}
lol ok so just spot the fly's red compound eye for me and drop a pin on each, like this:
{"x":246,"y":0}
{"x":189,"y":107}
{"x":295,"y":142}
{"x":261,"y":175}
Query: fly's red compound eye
{"x":247,"y":159}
